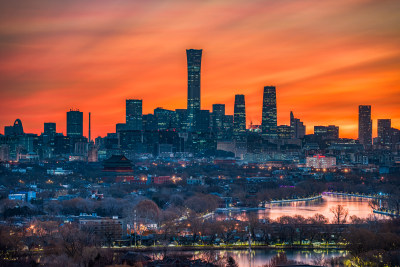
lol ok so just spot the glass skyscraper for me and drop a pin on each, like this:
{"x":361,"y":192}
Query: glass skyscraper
{"x":239,"y":118}
{"x":49,"y":129}
{"x":218,"y":116}
{"x":134,"y":114}
{"x":298,"y":127}
{"x":385,"y":131}
{"x":193,"y":100}
{"x":269,"y":113}
{"x":74,"y":123}
{"x":364,"y":125}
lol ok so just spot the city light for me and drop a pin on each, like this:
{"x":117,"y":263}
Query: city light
{"x":200,"y":133}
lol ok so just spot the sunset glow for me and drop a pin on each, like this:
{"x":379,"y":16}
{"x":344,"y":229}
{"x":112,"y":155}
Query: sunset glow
{"x":324,"y":57}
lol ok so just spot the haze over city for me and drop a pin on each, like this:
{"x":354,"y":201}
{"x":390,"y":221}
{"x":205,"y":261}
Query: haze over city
{"x":325,"y":58}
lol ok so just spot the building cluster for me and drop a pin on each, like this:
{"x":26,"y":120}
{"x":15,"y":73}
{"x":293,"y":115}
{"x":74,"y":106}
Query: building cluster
{"x":195,"y":132}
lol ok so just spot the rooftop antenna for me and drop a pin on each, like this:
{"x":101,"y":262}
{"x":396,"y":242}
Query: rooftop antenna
{"x":89,"y":130}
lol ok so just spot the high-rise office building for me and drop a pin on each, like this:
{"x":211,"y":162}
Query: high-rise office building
{"x":90,"y":129}
{"x":364,"y":125}
{"x":239,"y":118}
{"x":8,"y":130}
{"x":181,"y":119}
{"x":327,"y":132}
{"x":228,"y":127}
{"x":49,"y":129}
{"x":202,"y":121}
{"x":48,"y":138}
{"x":74,"y":123}
{"x":193,"y":100}
{"x":166,"y":119}
{"x":218,"y":116}
{"x":120,"y":127}
{"x":149,"y":122}
{"x":15,"y":129}
{"x":298,"y":127}
{"x":269,"y":113}
{"x":134,"y":114}
{"x":385,"y":131}
{"x":284,"y":132}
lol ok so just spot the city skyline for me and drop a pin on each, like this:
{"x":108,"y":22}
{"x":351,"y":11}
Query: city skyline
{"x":197,"y":119}
{"x":90,"y":62}
{"x":133,"y":109}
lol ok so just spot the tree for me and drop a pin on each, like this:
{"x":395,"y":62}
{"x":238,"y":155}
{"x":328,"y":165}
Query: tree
{"x":148,"y":209}
{"x":315,"y":226}
{"x":231,"y":262}
{"x":201,"y":203}
{"x":318,"y":219}
{"x":356,"y":220}
{"x":10,"y":241}
{"x":340,"y":214}
{"x":73,"y":240}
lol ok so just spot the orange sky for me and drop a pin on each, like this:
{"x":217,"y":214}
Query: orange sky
{"x":324,"y":57}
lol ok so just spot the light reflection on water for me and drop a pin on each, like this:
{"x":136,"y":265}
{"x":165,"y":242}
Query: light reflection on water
{"x":357,"y":206}
{"x":260,"y":257}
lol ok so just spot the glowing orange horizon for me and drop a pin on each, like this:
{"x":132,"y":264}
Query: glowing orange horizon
{"x":324,"y":57}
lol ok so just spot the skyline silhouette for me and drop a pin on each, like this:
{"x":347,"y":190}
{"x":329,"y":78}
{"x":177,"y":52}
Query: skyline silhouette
{"x":325,"y":59}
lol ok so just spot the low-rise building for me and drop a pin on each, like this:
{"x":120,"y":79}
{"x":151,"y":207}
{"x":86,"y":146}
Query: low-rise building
{"x":321,"y":162}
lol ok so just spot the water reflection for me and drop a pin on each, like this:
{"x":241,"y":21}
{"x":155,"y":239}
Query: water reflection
{"x":260,"y":257}
{"x":357,"y":206}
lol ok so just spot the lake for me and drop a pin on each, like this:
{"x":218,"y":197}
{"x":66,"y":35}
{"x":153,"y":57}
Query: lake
{"x":260,"y":257}
{"x":356,"y":206}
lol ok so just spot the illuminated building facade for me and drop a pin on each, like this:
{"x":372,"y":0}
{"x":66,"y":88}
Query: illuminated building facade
{"x":364,"y":125}
{"x":218,"y":117}
{"x":134,"y":114}
{"x":321,"y":162}
{"x":239,"y":118}
{"x":327,"y":132}
{"x":193,"y":100}
{"x":284,"y":132}
{"x":269,"y":113}
{"x":74,"y":123}
{"x":385,"y":131}
{"x":298,"y":127}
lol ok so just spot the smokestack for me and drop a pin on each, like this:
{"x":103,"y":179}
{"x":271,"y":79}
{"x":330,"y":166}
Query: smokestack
{"x":89,"y":130}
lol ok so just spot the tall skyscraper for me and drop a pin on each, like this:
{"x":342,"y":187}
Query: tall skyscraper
{"x":364,"y":125}
{"x":298,"y":127}
{"x":228,"y":127}
{"x":134,"y":114}
{"x":385,"y":131}
{"x":49,"y":133}
{"x":239,"y":118}
{"x":90,"y":129}
{"x":269,"y":113}
{"x":74,"y":123}
{"x":193,"y":100}
{"x":218,"y":116}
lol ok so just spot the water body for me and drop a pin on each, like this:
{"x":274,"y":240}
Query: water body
{"x":260,"y":257}
{"x":356,"y":206}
